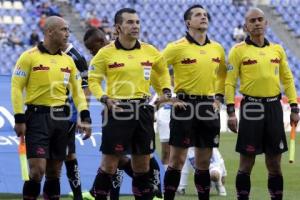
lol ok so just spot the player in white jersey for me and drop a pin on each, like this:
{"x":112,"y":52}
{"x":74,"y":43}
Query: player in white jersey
{"x":163,"y":129}
{"x":217,"y":172}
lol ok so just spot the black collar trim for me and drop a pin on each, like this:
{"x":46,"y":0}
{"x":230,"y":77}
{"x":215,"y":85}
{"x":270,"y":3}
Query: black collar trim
{"x":250,"y":42}
{"x":119,"y":45}
{"x":43,"y":49}
{"x":192,"y":40}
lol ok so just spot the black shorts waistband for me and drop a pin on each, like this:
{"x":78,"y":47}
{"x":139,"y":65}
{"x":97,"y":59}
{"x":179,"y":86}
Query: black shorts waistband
{"x":137,"y":100}
{"x":183,"y":96}
{"x":262,"y":99}
{"x":46,"y":109}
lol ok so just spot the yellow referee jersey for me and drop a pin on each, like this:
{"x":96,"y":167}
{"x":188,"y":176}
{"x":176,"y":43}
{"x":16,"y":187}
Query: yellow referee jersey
{"x":198,"y":69}
{"x":45,"y":78}
{"x":260,"y":69}
{"x":128,"y":73}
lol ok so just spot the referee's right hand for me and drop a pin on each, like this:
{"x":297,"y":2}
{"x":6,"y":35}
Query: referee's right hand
{"x":175,"y":102}
{"x":110,"y":104}
{"x":232,"y":122}
{"x":113,"y":105}
{"x":20,"y":129}
{"x":85,"y":129}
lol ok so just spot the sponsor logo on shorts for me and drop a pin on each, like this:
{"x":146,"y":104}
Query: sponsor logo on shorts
{"x":186,"y":141}
{"x":250,"y":148}
{"x":119,"y":148}
{"x":40,"y":151}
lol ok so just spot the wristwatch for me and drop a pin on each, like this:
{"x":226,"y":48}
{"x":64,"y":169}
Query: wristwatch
{"x":230,"y":109}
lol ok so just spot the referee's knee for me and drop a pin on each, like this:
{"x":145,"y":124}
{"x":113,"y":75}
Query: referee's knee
{"x":37,"y":173}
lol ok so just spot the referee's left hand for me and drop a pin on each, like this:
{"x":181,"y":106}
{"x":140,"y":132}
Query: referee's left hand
{"x":85,"y":129}
{"x":294,"y":118}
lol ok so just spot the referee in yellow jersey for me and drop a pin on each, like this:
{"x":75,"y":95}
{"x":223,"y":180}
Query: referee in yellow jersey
{"x":45,"y":73}
{"x":128,"y":66}
{"x":199,"y":77}
{"x":261,"y":67}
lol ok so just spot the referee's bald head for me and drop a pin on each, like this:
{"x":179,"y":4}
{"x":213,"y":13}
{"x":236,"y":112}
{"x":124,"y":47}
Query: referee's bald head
{"x":254,"y":10}
{"x":52,"y":22}
{"x":255,"y":22}
{"x":56,"y":31}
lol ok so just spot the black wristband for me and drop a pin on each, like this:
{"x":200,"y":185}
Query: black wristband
{"x":230,"y":109}
{"x":88,"y":120}
{"x":295,"y":109}
{"x":20,"y":118}
{"x":167,"y":92}
{"x":103,"y":99}
{"x":219,"y":97}
{"x":85,"y":116}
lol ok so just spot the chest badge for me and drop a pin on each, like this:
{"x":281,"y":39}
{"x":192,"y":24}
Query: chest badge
{"x":147,"y":69}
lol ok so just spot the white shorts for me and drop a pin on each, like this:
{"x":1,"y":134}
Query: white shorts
{"x":163,"y":122}
{"x":215,"y":168}
{"x":219,"y":168}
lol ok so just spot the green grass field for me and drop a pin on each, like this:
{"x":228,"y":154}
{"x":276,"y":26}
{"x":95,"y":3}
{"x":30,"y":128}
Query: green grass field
{"x":259,"y":190}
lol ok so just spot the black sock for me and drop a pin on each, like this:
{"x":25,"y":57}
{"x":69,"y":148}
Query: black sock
{"x":127,"y":168}
{"x":117,"y":180}
{"x":155,"y":177}
{"x":51,"y":190}
{"x":102,"y":185}
{"x":275,"y":186}
{"x":31,"y":190}
{"x":171,"y":182}
{"x":141,"y":186}
{"x":202,"y":183}
{"x":243,"y":185}
{"x":74,"y":178}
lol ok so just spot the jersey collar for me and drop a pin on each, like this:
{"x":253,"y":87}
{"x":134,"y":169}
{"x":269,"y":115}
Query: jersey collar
{"x":119,"y":45}
{"x":43,"y":49}
{"x":250,"y":42}
{"x":191,"y":39}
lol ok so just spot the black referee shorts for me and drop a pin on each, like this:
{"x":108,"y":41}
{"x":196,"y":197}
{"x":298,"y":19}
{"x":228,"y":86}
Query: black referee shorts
{"x":198,"y":125}
{"x":261,"y":128}
{"x":130,"y":131}
{"x":46,"y":132}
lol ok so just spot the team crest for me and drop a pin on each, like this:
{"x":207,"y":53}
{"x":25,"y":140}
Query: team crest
{"x":229,"y":68}
{"x":217,"y":139}
{"x":281,"y":146}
